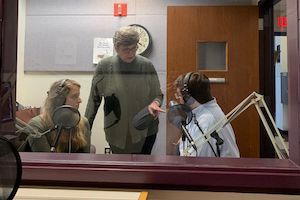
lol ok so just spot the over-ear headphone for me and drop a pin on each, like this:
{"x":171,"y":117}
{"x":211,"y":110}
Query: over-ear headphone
{"x":60,"y":97}
{"x":186,"y":95}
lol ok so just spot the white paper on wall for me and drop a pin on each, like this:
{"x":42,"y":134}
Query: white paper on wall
{"x":103,"y":47}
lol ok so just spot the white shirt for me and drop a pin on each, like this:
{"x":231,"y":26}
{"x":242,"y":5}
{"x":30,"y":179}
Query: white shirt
{"x":208,"y":115}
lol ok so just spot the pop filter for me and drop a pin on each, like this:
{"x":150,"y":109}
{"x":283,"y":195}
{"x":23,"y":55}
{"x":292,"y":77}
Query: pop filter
{"x":66,"y":116}
{"x":179,"y":114}
{"x":10,"y":170}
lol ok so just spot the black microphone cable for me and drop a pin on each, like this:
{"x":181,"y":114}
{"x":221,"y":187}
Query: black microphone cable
{"x":196,"y":122}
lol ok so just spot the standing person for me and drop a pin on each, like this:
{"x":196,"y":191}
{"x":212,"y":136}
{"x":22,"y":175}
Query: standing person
{"x":76,"y":139}
{"x":128,"y":83}
{"x":193,"y":90}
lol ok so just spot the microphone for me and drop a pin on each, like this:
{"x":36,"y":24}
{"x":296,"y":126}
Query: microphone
{"x":66,"y":116}
{"x":59,"y":129}
{"x":63,"y":121}
{"x":180,"y":115}
{"x":143,"y":119}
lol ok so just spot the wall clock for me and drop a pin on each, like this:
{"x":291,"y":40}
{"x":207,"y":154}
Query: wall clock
{"x":145,"y":41}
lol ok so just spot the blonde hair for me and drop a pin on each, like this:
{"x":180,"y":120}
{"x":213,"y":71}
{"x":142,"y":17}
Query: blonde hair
{"x":77,"y":133}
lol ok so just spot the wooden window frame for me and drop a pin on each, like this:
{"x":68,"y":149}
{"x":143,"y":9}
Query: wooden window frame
{"x":161,"y":172}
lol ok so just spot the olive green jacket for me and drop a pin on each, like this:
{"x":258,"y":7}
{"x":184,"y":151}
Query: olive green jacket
{"x":125,"y":95}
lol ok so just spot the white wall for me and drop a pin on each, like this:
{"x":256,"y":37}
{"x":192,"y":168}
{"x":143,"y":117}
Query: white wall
{"x":44,"y":18}
{"x":281,"y":110}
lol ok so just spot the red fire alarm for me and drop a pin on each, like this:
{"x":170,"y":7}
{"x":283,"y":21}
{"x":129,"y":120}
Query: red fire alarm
{"x":120,"y":9}
{"x":282,"y":22}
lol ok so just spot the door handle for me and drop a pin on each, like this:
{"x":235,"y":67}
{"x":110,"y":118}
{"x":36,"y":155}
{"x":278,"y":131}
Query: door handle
{"x":217,"y":80}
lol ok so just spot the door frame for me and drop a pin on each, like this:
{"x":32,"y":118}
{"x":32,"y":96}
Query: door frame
{"x":267,"y":69}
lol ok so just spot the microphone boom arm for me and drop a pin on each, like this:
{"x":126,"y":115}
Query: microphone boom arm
{"x":252,"y":99}
{"x":36,"y":134}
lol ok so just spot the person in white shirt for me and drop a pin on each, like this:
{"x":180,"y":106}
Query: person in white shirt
{"x":193,"y":90}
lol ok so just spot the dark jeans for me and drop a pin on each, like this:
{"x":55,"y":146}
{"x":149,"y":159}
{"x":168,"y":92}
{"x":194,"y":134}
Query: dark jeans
{"x":146,"y":145}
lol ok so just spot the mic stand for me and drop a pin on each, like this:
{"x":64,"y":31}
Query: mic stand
{"x":36,"y":134}
{"x":252,"y":99}
{"x":188,"y":136}
{"x":183,"y":138}
{"x":21,"y":129}
{"x":59,"y":129}
{"x":218,"y":149}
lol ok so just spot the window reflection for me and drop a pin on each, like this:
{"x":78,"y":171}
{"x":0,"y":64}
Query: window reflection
{"x":57,"y":45}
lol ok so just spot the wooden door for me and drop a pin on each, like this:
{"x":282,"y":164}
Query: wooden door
{"x":237,"y":26}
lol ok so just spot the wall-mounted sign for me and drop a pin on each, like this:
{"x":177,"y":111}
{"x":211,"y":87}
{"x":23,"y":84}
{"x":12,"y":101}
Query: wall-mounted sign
{"x":103,"y":47}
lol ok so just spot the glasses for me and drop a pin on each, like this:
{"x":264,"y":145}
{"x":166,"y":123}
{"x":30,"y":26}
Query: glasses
{"x":127,"y":50}
{"x":177,"y":96}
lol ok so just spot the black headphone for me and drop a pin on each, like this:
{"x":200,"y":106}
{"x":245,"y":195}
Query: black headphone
{"x":185,"y":89}
{"x":60,"y":97}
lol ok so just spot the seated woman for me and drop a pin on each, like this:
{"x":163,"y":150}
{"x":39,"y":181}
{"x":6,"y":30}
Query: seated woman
{"x":76,"y":139}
